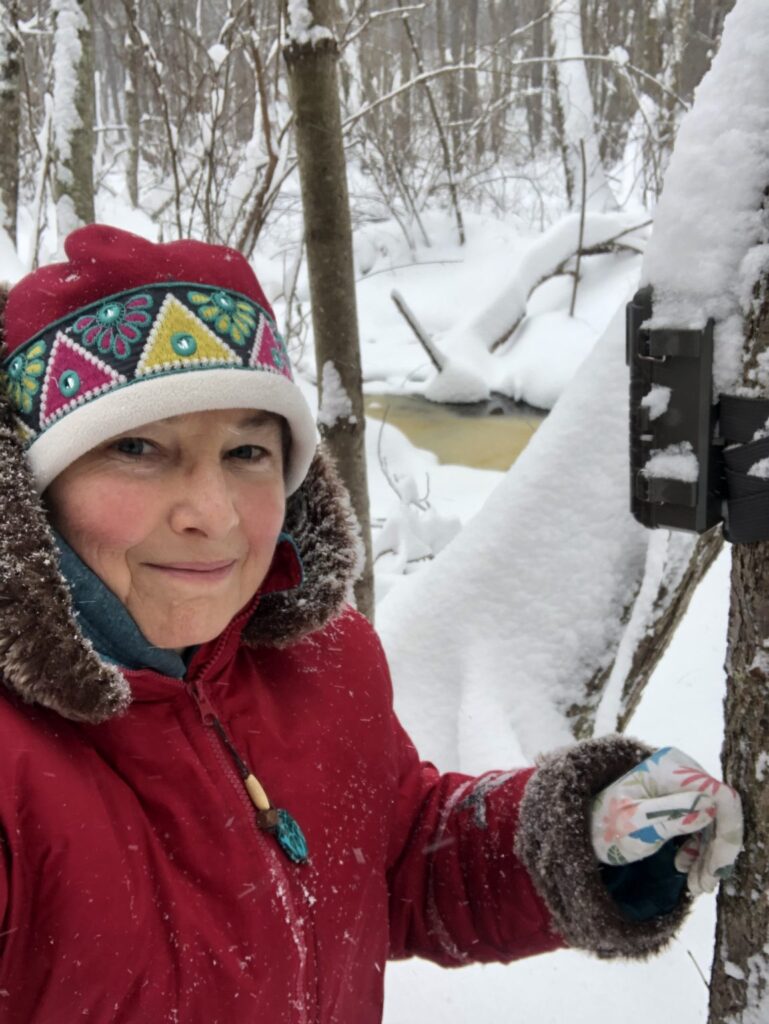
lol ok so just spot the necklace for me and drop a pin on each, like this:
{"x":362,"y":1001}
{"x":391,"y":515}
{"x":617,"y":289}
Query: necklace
{"x":275,"y":820}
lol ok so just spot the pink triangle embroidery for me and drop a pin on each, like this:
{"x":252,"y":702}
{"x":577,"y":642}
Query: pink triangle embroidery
{"x":268,"y":351}
{"x":72,"y":377}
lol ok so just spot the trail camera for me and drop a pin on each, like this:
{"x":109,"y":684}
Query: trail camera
{"x":675,"y":461}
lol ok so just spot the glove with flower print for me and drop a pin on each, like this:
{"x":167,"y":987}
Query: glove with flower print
{"x":669,"y":795}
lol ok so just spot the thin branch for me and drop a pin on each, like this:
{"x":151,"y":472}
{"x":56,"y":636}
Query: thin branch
{"x":581,"y":227}
{"x":436,"y":356}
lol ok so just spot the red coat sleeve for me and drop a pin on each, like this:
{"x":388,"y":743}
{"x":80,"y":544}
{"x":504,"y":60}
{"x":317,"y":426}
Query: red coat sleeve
{"x":458,"y":892}
{"x":501,"y":866}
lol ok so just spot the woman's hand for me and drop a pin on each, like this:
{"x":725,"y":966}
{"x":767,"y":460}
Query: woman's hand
{"x":669,"y":795}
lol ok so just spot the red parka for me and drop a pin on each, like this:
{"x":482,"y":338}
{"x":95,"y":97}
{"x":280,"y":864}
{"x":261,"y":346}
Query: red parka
{"x":135,"y":884}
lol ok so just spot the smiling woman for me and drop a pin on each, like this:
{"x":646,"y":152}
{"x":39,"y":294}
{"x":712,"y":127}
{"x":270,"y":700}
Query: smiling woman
{"x":181,"y":521}
{"x":175,"y":564}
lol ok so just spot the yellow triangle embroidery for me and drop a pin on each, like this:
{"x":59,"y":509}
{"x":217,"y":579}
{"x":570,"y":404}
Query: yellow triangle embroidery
{"x":178,"y":339}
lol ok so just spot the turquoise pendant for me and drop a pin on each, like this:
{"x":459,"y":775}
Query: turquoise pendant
{"x":287,"y":832}
{"x":291,"y":838}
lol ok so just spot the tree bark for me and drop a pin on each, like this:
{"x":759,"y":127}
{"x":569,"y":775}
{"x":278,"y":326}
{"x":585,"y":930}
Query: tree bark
{"x":739,"y":988}
{"x":10,"y":116}
{"x":311,"y":58}
{"x":133,"y":67}
{"x":73,"y":114}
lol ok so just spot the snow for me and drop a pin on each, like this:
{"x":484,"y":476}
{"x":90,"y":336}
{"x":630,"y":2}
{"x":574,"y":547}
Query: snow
{"x":681,"y":706}
{"x":301,"y":28}
{"x":711,"y":239}
{"x":335,"y":403}
{"x":577,"y":106}
{"x":760,"y":469}
{"x":656,"y":400}
{"x":528,"y":590}
{"x":11,"y":267}
{"x":676,"y":462}
{"x":473,"y":371}
{"x":218,"y":53}
{"x":70,"y":21}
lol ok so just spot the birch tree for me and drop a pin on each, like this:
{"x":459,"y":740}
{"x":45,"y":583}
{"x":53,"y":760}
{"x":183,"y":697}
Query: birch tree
{"x":73,"y":114}
{"x":311,"y":52}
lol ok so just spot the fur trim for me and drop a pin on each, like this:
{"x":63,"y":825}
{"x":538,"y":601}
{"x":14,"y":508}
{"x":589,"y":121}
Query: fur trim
{"x":553,"y":842}
{"x":44,"y":657}
{"x":321,"y":521}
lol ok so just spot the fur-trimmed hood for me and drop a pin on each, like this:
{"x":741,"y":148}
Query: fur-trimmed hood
{"x":44,"y":657}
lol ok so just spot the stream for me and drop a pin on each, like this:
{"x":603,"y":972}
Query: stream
{"x":485,"y":435}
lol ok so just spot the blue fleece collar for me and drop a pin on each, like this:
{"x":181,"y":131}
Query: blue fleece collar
{"x":104,"y":620}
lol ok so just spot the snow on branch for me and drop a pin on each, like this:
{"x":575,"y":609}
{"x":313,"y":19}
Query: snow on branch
{"x":470,"y":370}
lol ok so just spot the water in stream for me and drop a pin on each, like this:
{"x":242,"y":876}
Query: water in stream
{"x":486,"y":435}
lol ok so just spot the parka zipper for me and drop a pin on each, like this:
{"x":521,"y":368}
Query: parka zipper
{"x":223,"y":742}
{"x":275,"y":820}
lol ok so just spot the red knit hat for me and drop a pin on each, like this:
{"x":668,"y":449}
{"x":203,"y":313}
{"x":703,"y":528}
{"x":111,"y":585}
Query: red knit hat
{"x":129,"y":331}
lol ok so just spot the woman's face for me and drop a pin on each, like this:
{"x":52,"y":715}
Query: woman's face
{"x":179,"y":518}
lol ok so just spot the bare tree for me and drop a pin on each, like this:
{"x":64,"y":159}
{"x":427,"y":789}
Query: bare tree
{"x":10,"y":115}
{"x":740,"y":982}
{"x":311,"y":55}
{"x":73,"y":114}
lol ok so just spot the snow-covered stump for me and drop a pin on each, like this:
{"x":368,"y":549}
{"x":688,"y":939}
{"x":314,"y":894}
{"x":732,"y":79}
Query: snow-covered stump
{"x":709,"y":257}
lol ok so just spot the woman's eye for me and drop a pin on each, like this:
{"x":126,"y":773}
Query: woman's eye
{"x":132,"y":446}
{"x":249,"y":452}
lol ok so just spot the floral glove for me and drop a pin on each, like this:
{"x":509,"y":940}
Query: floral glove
{"x":666,"y":796}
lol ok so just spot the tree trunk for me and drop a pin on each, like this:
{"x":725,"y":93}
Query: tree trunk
{"x":10,"y":116}
{"x":311,"y":58}
{"x":534,"y":94}
{"x":576,"y":105}
{"x":675,"y":565}
{"x":739,"y":988}
{"x":73,"y":114}
{"x":133,"y":65}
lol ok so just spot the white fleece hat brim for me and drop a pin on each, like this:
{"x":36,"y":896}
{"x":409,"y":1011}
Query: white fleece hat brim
{"x":155,"y":398}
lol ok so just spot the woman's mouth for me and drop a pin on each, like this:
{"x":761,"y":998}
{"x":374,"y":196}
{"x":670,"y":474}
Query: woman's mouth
{"x":198,"y":572}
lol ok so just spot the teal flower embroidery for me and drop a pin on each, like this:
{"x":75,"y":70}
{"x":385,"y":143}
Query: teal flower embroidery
{"x":115,"y":326}
{"x":226,"y":313}
{"x":23,"y":376}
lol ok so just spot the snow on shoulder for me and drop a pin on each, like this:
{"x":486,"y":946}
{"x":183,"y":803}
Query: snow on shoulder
{"x":709,"y":240}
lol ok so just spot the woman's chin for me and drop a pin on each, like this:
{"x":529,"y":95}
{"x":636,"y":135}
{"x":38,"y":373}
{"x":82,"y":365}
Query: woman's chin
{"x":179,"y":638}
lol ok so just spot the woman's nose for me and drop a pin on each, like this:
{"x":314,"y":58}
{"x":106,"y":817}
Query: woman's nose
{"x":205,"y":503}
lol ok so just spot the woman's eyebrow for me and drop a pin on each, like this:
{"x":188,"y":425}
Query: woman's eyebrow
{"x":256,"y":419}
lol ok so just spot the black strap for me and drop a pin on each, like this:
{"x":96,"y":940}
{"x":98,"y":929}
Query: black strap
{"x":747,"y":494}
{"x":741,"y":418}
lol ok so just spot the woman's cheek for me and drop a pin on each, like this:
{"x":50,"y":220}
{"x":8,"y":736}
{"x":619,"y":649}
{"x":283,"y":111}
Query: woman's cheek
{"x":114,"y":516}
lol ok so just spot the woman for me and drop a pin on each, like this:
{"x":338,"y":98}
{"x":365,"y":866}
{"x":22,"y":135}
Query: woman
{"x":208,"y":809}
